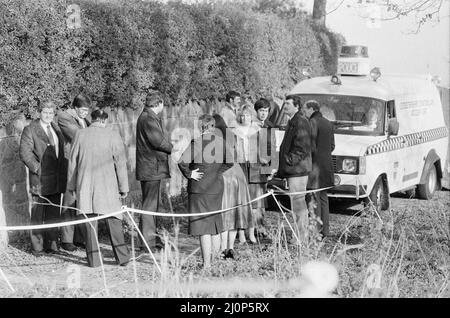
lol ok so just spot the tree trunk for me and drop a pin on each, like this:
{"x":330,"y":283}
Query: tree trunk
{"x":320,"y":11}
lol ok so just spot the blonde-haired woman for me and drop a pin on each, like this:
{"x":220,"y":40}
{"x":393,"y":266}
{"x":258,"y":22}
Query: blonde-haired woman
{"x":247,"y":147}
{"x":235,"y":193}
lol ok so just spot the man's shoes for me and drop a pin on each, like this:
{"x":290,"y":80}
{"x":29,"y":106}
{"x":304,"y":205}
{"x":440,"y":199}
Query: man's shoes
{"x":37,"y":253}
{"x":124,"y":264}
{"x":68,"y":247}
{"x":230,"y":254}
{"x":52,"y":247}
{"x":223,"y":254}
{"x":50,"y":251}
{"x":80,"y":245}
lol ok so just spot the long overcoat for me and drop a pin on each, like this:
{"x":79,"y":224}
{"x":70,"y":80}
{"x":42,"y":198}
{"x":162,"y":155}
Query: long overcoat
{"x":69,"y":124}
{"x":98,"y":170}
{"x":47,"y":172}
{"x":196,"y":157}
{"x":322,"y":174}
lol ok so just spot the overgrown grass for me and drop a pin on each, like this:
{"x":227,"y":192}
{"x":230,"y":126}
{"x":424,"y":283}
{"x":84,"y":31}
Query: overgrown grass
{"x":403,"y":252}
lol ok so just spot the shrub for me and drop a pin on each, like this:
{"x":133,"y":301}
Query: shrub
{"x":123,"y":48}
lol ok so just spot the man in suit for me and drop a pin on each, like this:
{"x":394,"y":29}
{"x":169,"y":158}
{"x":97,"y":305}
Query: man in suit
{"x":322,"y":175}
{"x":295,"y":164}
{"x":70,"y":121}
{"x":42,"y":151}
{"x":152,"y":154}
{"x":230,"y":110}
{"x":203,"y":164}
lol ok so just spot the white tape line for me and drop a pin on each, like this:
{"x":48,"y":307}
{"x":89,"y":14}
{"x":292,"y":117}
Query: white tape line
{"x":301,"y":192}
{"x":199,"y":214}
{"x":125,"y":209}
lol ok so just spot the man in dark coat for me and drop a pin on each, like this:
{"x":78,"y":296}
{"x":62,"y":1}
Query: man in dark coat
{"x":42,"y":151}
{"x":70,"y":121}
{"x":152,"y":154}
{"x":295,"y":164}
{"x":274,"y":111}
{"x":204,"y":170}
{"x":322,"y":175}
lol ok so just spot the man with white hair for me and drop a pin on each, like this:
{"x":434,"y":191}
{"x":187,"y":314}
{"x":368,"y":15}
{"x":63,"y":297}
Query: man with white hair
{"x":42,"y":151}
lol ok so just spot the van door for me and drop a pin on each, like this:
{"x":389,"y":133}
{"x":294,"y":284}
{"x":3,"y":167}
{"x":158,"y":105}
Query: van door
{"x":398,"y":157}
{"x":413,"y":158}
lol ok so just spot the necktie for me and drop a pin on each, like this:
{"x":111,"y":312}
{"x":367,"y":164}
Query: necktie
{"x":50,"y":136}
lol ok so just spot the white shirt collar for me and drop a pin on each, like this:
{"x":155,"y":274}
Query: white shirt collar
{"x":44,"y":125}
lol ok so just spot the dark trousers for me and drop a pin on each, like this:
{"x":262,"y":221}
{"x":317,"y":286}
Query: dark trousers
{"x":71,"y":233}
{"x":148,"y":223}
{"x":119,"y":247}
{"x":322,"y":210}
{"x":45,"y":214}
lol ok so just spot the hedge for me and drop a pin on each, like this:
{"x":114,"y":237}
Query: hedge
{"x":124,"y":48}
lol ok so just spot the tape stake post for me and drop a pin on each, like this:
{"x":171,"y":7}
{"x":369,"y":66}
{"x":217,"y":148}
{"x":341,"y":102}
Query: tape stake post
{"x":7,"y":281}
{"x":284,"y":215}
{"x":143,"y":239}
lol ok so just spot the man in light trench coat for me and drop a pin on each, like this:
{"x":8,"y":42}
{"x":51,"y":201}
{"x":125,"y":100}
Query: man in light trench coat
{"x":97,"y":175}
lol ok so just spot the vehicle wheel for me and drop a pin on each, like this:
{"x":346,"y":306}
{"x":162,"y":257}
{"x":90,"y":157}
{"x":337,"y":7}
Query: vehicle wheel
{"x":380,"y":195}
{"x":426,"y":191}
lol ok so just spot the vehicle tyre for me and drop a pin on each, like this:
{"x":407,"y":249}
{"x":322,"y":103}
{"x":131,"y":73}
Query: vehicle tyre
{"x":426,"y":191}
{"x":380,"y":195}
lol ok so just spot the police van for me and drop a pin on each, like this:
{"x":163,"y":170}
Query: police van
{"x":390,"y":133}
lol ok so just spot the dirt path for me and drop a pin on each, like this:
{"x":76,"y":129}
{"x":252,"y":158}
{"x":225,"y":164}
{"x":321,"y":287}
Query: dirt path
{"x":52,"y":275}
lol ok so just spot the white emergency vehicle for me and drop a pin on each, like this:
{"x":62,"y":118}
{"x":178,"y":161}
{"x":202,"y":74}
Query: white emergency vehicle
{"x":390,"y":132}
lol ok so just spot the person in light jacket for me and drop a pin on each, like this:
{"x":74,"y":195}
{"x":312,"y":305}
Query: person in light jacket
{"x":98,"y":178}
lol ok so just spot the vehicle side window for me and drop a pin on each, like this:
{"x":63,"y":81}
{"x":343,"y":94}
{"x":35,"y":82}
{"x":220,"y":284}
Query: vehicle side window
{"x":391,"y":109}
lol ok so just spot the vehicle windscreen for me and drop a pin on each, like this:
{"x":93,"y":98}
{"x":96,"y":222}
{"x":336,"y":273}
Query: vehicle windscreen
{"x":351,"y":115}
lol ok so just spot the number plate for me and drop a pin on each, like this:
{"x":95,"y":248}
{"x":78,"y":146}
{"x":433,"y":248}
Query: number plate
{"x":348,"y":68}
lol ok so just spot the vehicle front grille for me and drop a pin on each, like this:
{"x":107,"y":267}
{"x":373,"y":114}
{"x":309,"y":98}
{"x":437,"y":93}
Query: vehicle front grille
{"x":334,"y":159}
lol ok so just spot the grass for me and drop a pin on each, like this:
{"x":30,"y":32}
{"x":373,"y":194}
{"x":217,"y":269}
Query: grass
{"x":403,"y":252}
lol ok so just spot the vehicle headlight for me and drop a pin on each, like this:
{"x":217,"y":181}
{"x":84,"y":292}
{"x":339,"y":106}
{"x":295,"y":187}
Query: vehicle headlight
{"x":337,"y":180}
{"x":349,"y":165}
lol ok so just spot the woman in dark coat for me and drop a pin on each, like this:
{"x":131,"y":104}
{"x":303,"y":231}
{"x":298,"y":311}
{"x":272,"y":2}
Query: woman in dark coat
{"x":203,"y":166}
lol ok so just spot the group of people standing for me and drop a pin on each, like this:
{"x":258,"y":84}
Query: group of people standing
{"x":87,"y":163}
{"x":304,"y":160}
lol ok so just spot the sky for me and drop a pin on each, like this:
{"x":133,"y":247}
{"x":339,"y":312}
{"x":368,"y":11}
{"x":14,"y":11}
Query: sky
{"x":392,"y":45}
